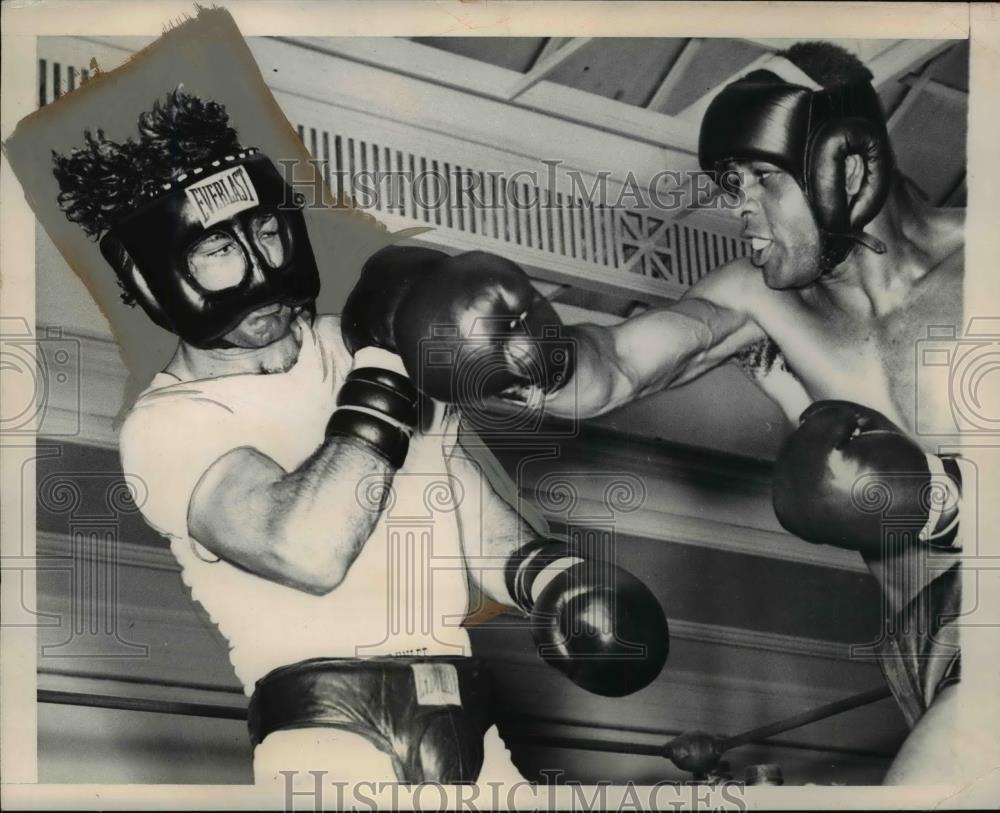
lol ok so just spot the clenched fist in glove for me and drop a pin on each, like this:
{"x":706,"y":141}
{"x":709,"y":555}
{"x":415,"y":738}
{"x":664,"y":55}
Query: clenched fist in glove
{"x":593,"y":621}
{"x":378,"y":403}
{"x":388,"y":277}
{"x":467,"y":327}
{"x":848,"y":473}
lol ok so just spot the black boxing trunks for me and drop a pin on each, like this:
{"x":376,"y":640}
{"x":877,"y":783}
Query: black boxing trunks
{"x":428,"y":714}
{"x":919,"y":652}
{"x":922,"y":587}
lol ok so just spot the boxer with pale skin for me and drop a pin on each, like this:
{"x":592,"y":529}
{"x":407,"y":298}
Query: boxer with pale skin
{"x":847,"y":269}
{"x":279,"y":447}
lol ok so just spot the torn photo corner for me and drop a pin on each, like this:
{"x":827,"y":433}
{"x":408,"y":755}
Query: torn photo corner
{"x":101,"y":132}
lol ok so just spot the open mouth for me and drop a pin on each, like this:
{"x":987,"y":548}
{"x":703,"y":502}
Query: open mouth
{"x":760,"y":248}
{"x":267,"y":310}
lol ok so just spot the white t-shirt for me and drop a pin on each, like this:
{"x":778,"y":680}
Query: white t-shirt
{"x":407,"y":591}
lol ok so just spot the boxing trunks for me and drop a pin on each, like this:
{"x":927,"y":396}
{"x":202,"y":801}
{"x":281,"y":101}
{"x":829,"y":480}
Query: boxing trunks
{"x":428,"y":714}
{"x":919,"y":649}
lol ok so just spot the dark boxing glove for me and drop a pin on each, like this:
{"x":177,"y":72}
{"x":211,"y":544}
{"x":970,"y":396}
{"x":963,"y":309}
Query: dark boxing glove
{"x":378,"y":407}
{"x":848,"y":474}
{"x":387,"y":278}
{"x":475,"y":327}
{"x":594,"y":622}
{"x":378,"y":402}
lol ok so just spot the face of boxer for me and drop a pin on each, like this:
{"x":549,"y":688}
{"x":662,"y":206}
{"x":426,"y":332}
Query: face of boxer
{"x":222,"y":258}
{"x":225,"y":257}
{"x":262,"y":327}
{"x":778,"y":221}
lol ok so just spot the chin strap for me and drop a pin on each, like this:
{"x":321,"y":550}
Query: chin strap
{"x":836,"y":247}
{"x":870,"y":242}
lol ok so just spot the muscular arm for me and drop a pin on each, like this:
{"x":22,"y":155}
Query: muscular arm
{"x":663,"y":347}
{"x":303,"y":528}
{"x":491,"y":528}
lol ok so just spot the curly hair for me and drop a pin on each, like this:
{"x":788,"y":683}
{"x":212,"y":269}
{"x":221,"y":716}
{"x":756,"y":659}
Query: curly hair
{"x":99,"y":182}
{"x":828,"y":64}
{"x":186,"y":132}
{"x":104,"y":180}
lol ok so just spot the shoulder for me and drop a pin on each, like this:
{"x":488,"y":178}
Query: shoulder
{"x":167,"y":395}
{"x":326,"y":324}
{"x":326,"y":331}
{"x":949,"y":244}
{"x":940,"y":233}
{"x":736,"y":285}
{"x":161,"y":415}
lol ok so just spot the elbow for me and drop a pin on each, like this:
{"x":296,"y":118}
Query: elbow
{"x":320,"y":578}
{"x":318,"y":586}
{"x":317,"y":569}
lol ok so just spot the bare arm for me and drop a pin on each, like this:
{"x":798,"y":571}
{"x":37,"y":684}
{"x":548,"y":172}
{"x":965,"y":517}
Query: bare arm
{"x":491,"y":528}
{"x":661,"y":348}
{"x":303,"y":528}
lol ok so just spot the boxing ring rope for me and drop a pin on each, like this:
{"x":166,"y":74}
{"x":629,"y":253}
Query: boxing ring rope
{"x":696,"y":752}
{"x":119,"y":703}
{"x":813,"y":715}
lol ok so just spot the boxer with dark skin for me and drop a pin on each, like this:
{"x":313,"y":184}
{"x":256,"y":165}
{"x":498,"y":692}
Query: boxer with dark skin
{"x":804,"y":327}
{"x":848,"y":333}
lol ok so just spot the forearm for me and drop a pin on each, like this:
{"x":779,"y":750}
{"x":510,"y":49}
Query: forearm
{"x":619,"y":364}
{"x":599,"y":381}
{"x":491,"y":529}
{"x":305,"y":528}
{"x":323,"y":512}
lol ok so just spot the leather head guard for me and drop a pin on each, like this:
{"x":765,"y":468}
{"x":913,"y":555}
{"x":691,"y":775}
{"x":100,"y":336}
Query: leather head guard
{"x":220,"y":241}
{"x":808,"y":132}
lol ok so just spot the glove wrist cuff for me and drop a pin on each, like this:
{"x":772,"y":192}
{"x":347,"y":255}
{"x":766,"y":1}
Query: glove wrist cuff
{"x":944,"y":497}
{"x":381,"y":358}
{"x":378,"y":407}
{"x":534,"y":566}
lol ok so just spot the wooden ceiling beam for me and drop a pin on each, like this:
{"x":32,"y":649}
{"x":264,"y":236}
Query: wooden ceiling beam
{"x":551,"y":45}
{"x":904,"y":57}
{"x":889,"y":65}
{"x":547,"y":64}
{"x":695,"y":111}
{"x":429,"y":64}
{"x":675,"y":73}
{"x":865,"y":49}
{"x":910,"y":96}
{"x":939,"y":89}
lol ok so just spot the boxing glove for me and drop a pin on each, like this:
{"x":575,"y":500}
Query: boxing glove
{"x":848,"y":476}
{"x":593,"y":621}
{"x":388,"y":276}
{"x":475,"y":327}
{"x":377,"y":406}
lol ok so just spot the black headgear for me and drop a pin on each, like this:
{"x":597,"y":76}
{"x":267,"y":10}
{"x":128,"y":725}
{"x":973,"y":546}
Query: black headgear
{"x":150,"y":247}
{"x":809,"y":133}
